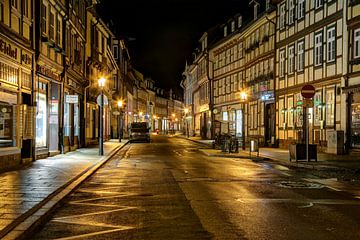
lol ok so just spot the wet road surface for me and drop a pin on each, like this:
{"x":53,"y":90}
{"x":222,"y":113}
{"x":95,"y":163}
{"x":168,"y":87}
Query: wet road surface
{"x":169,"y":190}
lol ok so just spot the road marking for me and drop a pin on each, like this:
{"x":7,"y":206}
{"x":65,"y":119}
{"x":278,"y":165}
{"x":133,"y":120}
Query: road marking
{"x":95,"y":213}
{"x":100,"y":198}
{"x":306,"y":206}
{"x":94,"y":234}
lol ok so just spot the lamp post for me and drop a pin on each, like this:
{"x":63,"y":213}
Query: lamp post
{"x":120,"y":128}
{"x":243,"y":97}
{"x":101,"y":83}
{"x":186,"y":110}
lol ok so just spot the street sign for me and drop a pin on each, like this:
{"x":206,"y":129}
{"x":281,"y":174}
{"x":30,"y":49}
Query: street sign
{"x":98,"y":100}
{"x":72,"y":99}
{"x":308,"y":91}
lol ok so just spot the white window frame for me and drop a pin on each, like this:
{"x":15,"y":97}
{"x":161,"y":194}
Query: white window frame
{"x":44,"y":18}
{"x":225,"y":31}
{"x":282,"y":16}
{"x":331,"y":44}
{"x":291,"y":12}
{"x":232,"y":26}
{"x":300,"y":55}
{"x":282,"y":63}
{"x":318,"y":4}
{"x":301,"y":9}
{"x":357,"y":43}
{"x":291,"y":62}
{"x":239,"y":21}
{"x":318,"y":49}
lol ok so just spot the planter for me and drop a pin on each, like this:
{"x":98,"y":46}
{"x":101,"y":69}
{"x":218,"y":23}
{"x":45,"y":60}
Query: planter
{"x":298,"y":151}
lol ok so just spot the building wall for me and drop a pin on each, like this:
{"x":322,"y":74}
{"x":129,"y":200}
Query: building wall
{"x":309,"y":51}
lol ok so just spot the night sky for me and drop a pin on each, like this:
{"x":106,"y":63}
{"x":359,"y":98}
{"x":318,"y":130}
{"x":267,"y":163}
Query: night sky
{"x":166,"y":31}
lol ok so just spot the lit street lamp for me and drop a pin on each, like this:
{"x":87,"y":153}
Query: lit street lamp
{"x":101,"y":83}
{"x":120,"y":127}
{"x":243,"y":98}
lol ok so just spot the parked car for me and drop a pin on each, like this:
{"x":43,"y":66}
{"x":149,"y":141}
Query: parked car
{"x":139,"y":131}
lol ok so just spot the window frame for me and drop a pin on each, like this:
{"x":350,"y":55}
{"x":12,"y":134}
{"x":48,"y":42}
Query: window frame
{"x":301,"y":55}
{"x":356,"y":43}
{"x":318,"y":46}
{"x":291,"y":60}
{"x":331,"y":52}
{"x":282,"y":53}
{"x":291,"y":12}
{"x":301,"y":9}
{"x":282,"y":20}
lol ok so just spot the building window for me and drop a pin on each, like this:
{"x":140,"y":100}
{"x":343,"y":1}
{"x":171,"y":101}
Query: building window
{"x":318,"y":3}
{"x":25,"y":8}
{"x":330,"y":107}
{"x":15,"y":4}
{"x":225,"y":31}
{"x":282,"y":63}
{"x":331,"y":44}
{"x":301,"y":9}
{"x":291,"y":11}
{"x":317,"y":108}
{"x":43,"y":18}
{"x":318,"y":50}
{"x":58,"y":31}
{"x":239,"y":21}
{"x":290,"y":115}
{"x":232,"y":26}
{"x":357,"y":43}
{"x":282,"y":16}
{"x":116,"y":51}
{"x":291,"y":59}
{"x":41,"y":120}
{"x":7,"y":119}
{"x":253,"y":116}
{"x":300,"y":56}
{"x":1,"y":11}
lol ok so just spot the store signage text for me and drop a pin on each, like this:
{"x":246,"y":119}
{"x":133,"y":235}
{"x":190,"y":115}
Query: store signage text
{"x":7,"y":49}
{"x":72,"y":99}
{"x":48,"y":72}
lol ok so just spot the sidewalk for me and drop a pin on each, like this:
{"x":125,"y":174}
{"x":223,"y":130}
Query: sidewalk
{"x":325,"y":161}
{"x":29,"y":194}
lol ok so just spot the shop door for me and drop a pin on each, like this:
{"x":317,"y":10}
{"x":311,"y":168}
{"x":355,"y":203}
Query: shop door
{"x":269,"y":122}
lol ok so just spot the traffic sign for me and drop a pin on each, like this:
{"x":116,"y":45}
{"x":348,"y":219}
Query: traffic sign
{"x":98,"y":100}
{"x":308,"y":91}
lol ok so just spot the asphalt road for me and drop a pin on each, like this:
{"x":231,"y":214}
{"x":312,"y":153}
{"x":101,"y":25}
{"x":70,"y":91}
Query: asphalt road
{"x":169,"y":190}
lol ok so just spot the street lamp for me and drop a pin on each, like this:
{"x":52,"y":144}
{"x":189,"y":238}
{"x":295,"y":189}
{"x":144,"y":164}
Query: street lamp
{"x":101,"y":83}
{"x":243,"y":98}
{"x":120,"y":128}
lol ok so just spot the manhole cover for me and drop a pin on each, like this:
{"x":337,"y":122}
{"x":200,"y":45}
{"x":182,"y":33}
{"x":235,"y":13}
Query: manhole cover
{"x":292,"y":184}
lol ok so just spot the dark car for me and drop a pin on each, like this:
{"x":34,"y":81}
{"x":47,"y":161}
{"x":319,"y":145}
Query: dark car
{"x":139,"y":131}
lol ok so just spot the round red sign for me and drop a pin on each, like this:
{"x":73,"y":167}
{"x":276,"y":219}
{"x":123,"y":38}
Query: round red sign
{"x":308,"y":91}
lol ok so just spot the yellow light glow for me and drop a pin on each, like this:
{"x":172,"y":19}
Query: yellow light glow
{"x":173,"y":114}
{"x":140,"y":114}
{"x":101,"y":82}
{"x":120,"y":103}
{"x":186,"y":110}
{"x":243,"y":96}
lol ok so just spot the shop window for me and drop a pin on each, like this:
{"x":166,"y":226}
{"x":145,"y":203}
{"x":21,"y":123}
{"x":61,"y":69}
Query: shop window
{"x":67,"y":128}
{"x":330,"y":107}
{"x":7,"y":118}
{"x":239,"y":123}
{"x":290,"y":113}
{"x":76,"y":120}
{"x":299,"y":110}
{"x":317,"y":109}
{"x":41,"y":120}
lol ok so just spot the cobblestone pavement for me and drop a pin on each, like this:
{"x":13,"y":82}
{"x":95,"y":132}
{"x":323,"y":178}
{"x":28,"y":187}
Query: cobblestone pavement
{"x":24,"y":191}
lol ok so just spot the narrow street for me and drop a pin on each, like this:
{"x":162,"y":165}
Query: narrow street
{"x":169,"y":190}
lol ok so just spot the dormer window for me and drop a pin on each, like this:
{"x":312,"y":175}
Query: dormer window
{"x":255,"y":10}
{"x":232,"y":26}
{"x":225,"y":31}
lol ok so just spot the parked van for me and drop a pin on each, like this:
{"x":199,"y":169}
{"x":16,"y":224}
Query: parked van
{"x":139,"y":131}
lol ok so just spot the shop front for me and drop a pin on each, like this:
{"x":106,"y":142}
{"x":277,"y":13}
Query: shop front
{"x":16,"y":119}
{"x":48,"y":112}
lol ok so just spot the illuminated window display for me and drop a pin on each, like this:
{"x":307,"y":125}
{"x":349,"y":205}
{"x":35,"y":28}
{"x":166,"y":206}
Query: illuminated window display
{"x":6,"y":125}
{"x":41,"y":120}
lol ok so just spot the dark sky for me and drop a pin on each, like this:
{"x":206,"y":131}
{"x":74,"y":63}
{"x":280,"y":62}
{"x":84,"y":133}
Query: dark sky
{"x":166,"y":31}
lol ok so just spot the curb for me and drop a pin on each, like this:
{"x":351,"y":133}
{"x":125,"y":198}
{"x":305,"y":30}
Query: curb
{"x":24,"y":225}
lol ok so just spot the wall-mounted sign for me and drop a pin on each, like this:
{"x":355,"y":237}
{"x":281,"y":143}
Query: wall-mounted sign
{"x":8,"y":49}
{"x":72,"y":99}
{"x":47,"y":72}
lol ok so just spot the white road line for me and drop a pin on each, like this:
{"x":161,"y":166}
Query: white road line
{"x":94,"y":234}
{"x":95,"y":213}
